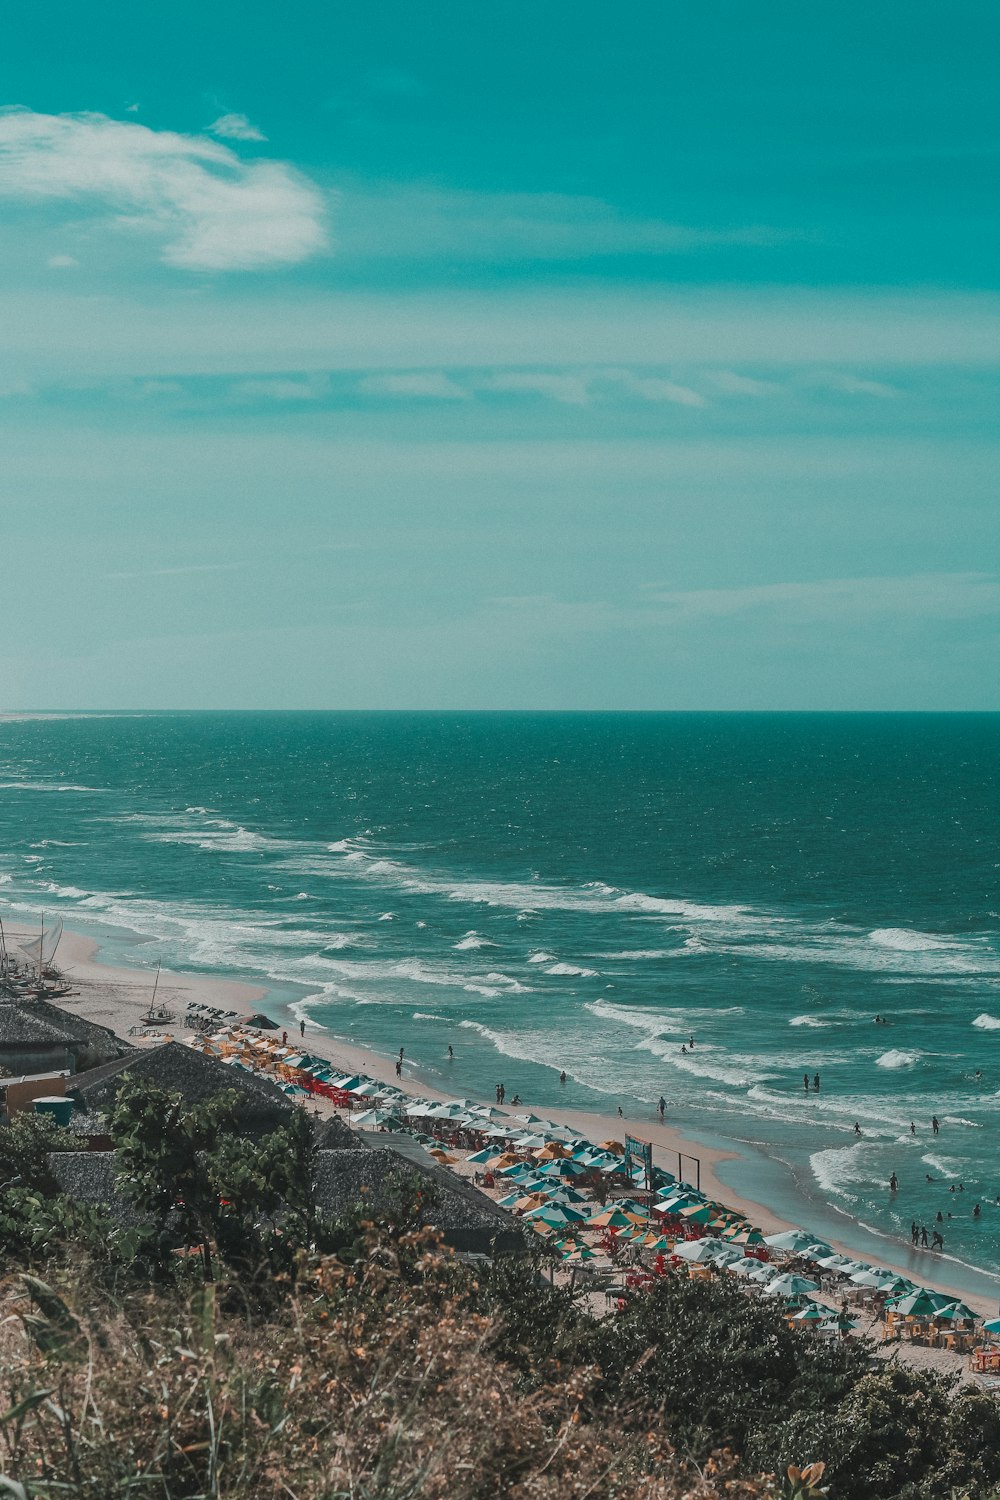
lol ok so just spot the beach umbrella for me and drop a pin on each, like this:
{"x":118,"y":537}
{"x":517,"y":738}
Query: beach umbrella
{"x":610,"y":1218}
{"x":956,"y":1312}
{"x":763,"y":1273}
{"x":919,"y":1304}
{"x":993,"y":1326}
{"x":442,"y":1156}
{"x":377,"y":1117}
{"x":869,"y":1277}
{"x":554,"y":1151}
{"x":790,"y":1286}
{"x":511,"y":1200}
{"x":557,"y":1214}
{"x":797,"y":1242}
{"x":508,"y":1159}
{"x":565,"y":1169}
{"x":837,"y":1263}
{"x":699,"y":1251}
{"x":487,"y":1112}
{"x":840,"y":1324}
{"x":745,"y":1266}
{"x":698,"y":1213}
{"x":811,"y":1313}
{"x":615,"y":1147}
{"x":528,"y":1201}
{"x":581,"y":1253}
{"x":481,"y":1157}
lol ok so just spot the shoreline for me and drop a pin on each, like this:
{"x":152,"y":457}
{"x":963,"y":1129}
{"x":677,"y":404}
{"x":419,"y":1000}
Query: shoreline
{"x":117,"y":996}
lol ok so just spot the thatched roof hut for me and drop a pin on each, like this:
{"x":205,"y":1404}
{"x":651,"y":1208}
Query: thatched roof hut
{"x":468,"y":1220}
{"x":39,"y":1037}
{"x":261,"y":1105}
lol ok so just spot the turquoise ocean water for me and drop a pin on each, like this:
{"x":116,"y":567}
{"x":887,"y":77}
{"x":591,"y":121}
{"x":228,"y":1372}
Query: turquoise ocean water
{"x":582,"y":892}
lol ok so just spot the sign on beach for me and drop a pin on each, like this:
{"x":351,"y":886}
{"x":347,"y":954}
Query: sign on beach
{"x":641,"y":1154}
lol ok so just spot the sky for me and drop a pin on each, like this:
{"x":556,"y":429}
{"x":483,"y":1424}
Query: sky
{"x":529,"y":356}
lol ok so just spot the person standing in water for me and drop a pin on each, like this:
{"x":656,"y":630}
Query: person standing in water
{"x":893,"y":1183}
{"x":661,"y":1108}
{"x":451,"y":1052}
{"x":816,"y":1082}
{"x":562,"y":1076}
{"x":805,"y":1082}
{"x":923,"y":1236}
{"x":935,"y":1125}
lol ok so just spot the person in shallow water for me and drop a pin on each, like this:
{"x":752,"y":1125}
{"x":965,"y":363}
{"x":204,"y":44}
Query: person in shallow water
{"x":913,"y":1128}
{"x":816,"y":1082}
{"x":857,"y":1128}
{"x":805,"y":1082}
{"x":914,"y":1231}
{"x":451,"y":1052}
{"x":661,"y":1107}
{"x":893,"y":1183}
{"x":935,"y":1125}
{"x":977,"y":1211}
{"x":923,"y":1236}
{"x":937,"y":1243}
{"x":562,"y":1076}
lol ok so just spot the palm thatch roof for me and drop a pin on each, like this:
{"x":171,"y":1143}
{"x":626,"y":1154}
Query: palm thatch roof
{"x":378,"y":1179}
{"x":261,"y":1104}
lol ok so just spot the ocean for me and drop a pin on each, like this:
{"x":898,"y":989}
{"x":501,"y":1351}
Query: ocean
{"x":584,"y":893}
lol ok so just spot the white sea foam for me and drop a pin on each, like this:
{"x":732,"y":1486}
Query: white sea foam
{"x":45,"y":786}
{"x":812,"y":1021}
{"x":948,"y":1166}
{"x":904,"y":941}
{"x":838,"y":1168}
{"x":986,"y":1022}
{"x":639,"y":953}
{"x":471,"y":942}
{"x":541,"y":957}
{"x":571,"y":970}
{"x":898,"y":1057}
{"x":426,"y":1015}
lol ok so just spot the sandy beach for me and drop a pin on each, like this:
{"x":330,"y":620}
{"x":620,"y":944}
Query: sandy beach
{"x":118,"y":997}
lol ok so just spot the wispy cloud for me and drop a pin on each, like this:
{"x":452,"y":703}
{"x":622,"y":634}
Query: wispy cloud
{"x":234,"y":127}
{"x":403,"y":222}
{"x":855,"y":385}
{"x":422,"y":384}
{"x":214,"y":211}
{"x":570,"y":389}
{"x":62,"y":262}
{"x":860,"y":600}
{"x":730,"y":383}
{"x":281,"y":388}
{"x":222,"y":567}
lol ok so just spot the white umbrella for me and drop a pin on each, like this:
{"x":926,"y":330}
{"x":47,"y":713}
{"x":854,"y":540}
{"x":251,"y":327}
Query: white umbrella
{"x":747,"y":1265}
{"x":790,"y":1286}
{"x":796,"y":1241}
{"x":764,"y":1272}
{"x":698,"y":1251}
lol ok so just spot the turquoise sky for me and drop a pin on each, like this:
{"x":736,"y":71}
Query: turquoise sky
{"x":537,"y":355}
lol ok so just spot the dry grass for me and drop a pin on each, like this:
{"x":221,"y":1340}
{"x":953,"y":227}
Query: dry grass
{"x":376,"y":1381}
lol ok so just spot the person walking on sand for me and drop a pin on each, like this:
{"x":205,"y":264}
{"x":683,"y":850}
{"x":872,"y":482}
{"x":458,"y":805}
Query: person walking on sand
{"x":284,"y":1038}
{"x":302,"y":1028}
{"x":893,"y":1183}
{"x":399,"y":1067}
{"x":621,"y":1115}
{"x":923,"y":1236}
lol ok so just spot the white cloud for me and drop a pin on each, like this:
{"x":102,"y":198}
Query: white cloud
{"x":920,"y":595}
{"x":214,"y":211}
{"x":281,"y":388}
{"x":853,"y":385}
{"x":572,"y":390}
{"x":179,"y":572}
{"x":407,"y":222}
{"x":732,"y":384}
{"x":236,"y":128}
{"x":426,"y":384}
{"x":62,"y":262}
{"x":652,"y":389}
